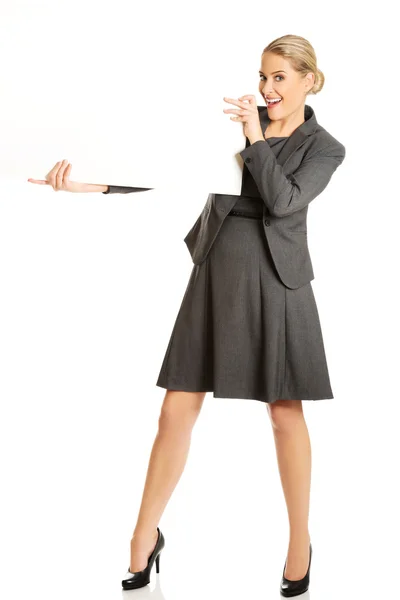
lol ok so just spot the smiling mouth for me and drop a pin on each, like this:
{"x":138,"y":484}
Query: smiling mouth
{"x":273,"y":102}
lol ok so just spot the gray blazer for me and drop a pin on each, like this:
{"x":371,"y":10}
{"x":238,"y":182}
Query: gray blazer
{"x":287,"y":185}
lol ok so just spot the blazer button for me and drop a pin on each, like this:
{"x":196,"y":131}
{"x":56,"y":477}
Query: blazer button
{"x":267,"y":223}
{"x":248,"y":159}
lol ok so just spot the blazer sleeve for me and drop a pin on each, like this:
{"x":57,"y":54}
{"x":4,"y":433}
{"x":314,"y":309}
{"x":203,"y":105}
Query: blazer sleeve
{"x":284,"y":195}
{"x":121,"y":189}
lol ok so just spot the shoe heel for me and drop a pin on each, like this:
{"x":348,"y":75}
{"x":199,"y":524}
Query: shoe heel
{"x":296,"y":587}
{"x":142,"y":578}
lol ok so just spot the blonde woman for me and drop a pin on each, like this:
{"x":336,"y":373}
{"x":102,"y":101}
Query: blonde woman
{"x":248,"y":325}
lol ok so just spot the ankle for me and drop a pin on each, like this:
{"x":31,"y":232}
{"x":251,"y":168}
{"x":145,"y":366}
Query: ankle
{"x":143,"y":534}
{"x":299,"y":537}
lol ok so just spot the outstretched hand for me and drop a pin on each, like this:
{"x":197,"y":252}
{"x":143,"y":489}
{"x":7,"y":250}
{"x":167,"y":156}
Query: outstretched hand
{"x":59,"y":179}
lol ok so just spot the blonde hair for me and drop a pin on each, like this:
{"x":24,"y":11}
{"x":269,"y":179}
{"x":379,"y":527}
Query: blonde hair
{"x":301,"y":55}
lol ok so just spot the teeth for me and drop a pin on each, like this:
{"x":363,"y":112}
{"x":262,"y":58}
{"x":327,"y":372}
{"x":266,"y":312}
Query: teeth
{"x":274,"y":100}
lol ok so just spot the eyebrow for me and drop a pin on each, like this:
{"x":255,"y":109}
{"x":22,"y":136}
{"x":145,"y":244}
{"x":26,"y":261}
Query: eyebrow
{"x":280,"y":71}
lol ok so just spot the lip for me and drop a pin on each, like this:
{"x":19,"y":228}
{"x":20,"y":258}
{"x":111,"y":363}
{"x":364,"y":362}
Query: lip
{"x":272,"y":105}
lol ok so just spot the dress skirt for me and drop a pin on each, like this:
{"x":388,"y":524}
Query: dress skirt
{"x":240,"y":332}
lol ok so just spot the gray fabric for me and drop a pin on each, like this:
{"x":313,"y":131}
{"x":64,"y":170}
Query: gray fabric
{"x":249,"y":186}
{"x":287,"y":184}
{"x":248,"y":325}
{"x":240,"y":332}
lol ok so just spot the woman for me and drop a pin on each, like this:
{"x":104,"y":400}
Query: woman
{"x":248,"y":325}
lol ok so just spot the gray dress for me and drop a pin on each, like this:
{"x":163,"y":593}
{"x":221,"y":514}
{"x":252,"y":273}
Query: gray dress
{"x":240,"y":332}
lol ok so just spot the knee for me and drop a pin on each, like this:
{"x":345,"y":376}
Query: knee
{"x":285,"y":415}
{"x":180,"y":410}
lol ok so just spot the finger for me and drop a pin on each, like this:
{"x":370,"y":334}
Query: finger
{"x":239,"y":111}
{"x":55,"y":168}
{"x":39,"y":181}
{"x":230,"y":100}
{"x":60,"y":174}
{"x":250,"y":97}
{"x":67,"y":173}
{"x":51,"y":175}
{"x":236,"y":102}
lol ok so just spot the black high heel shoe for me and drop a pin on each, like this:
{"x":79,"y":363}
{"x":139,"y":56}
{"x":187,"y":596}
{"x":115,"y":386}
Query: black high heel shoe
{"x":291,"y":588}
{"x":142,"y":578}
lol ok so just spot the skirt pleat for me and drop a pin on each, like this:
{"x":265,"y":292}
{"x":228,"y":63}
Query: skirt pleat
{"x":240,"y":332}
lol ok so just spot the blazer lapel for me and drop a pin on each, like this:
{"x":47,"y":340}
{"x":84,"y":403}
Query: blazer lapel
{"x":296,"y":139}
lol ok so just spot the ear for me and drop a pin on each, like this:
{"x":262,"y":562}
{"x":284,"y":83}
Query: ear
{"x":309,"y":81}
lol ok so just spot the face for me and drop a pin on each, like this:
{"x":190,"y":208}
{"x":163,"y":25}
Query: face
{"x":279,"y":80}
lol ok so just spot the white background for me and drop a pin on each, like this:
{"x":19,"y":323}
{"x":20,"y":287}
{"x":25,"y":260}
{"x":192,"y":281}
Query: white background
{"x":114,"y":90}
{"x":90,"y":286}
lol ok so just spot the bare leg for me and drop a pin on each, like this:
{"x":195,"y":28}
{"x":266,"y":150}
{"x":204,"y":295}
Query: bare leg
{"x":178,"y":415}
{"x":293,"y":452}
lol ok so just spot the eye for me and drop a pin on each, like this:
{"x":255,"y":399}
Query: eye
{"x":262,"y":77}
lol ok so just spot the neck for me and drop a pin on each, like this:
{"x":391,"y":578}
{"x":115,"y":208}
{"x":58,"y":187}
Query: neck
{"x":285,"y":126}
